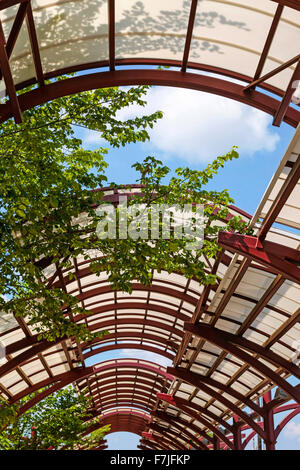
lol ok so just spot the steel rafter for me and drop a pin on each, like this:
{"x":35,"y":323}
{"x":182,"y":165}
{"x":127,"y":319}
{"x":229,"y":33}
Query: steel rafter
{"x":13,"y":105}
{"x":217,"y":337}
{"x":181,"y":424}
{"x":268,"y":43}
{"x":195,"y":380}
{"x":77,"y":374}
{"x":282,"y":259}
{"x":171,"y":436}
{"x":183,"y":432}
{"x":283,"y":111}
{"x":178,"y":402}
{"x":189,"y":34}
{"x":295,"y":4}
{"x":168,"y":438}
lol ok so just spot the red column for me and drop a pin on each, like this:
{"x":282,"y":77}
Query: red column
{"x":237,"y":433}
{"x":270,"y":439}
{"x":217,"y":444}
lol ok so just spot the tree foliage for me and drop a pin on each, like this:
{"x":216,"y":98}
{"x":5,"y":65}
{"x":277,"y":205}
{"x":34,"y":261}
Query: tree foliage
{"x":47,"y":182}
{"x":126,"y":260}
{"x":57,"y":422}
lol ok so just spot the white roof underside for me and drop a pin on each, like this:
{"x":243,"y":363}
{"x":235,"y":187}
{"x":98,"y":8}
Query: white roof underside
{"x":229,"y":35}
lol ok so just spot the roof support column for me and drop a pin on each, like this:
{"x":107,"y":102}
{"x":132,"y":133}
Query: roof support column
{"x":270,"y":439}
{"x":237,"y":433}
{"x":217,"y":443}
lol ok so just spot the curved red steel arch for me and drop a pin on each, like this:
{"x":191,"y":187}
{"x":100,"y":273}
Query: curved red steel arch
{"x":193,"y":81}
{"x":164,"y":78}
{"x":73,"y":376}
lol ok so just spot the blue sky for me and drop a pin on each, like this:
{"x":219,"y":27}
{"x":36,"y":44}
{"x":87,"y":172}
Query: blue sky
{"x":196,"y":128}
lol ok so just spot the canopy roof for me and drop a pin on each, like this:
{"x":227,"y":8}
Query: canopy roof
{"x":242,"y":40}
{"x":230,"y":343}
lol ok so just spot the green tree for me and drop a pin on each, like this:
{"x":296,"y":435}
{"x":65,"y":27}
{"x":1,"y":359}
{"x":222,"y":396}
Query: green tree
{"x":60,"y":421}
{"x":46,"y":181}
{"x":126,"y":260}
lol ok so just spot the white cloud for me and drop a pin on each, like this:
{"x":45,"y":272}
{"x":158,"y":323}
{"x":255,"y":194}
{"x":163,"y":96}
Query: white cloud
{"x":198,"y":126}
{"x":292,"y":429}
{"x":146,"y":356}
{"x":92,"y":138}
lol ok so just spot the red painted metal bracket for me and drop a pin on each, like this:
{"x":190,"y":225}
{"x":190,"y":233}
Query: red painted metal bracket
{"x":281,"y":259}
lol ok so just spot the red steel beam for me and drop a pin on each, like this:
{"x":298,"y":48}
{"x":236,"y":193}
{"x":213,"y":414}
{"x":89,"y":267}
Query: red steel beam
{"x":34,"y":46}
{"x":137,"y":403}
{"x":131,"y":413}
{"x":125,"y":392}
{"x":111,"y":33}
{"x":143,"y":375}
{"x":198,"y":417}
{"x":173,"y":292}
{"x":295,"y":4}
{"x":282,"y":197}
{"x":120,"y":424}
{"x":66,"y":379}
{"x":266,"y":354}
{"x":149,"y":77}
{"x":215,"y":336}
{"x":13,"y":104}
{"x":197,"y":380}
{"x":173,"y":312}
{"x":172,"y":435}
{"x":115,"y":346}
{"x":33,"y":340}
{"x":15,"y":30}
{"x":10,"y":3}
{"x":182,"y":425}
{"x":136,"y":321}
{"x":284,"y":105}
{"x":44,"y":345}
{"x":284,"y":422}
{"x":189,"y":35}
{"x":154,"y":339}
{"x":174,"y":400}
{"x":138,"y":364}
{"x":77,"y":374}
{"x":138,"y":287}
{"x":57,"y":379}
{"x":139,"y":387}
{"x":268,"y":42}
{"x":278,"y":257}
{"x":138,"y":380}
{"x":152,"y":62}
{"x":273,"y":72}
{"x":120,"y":396}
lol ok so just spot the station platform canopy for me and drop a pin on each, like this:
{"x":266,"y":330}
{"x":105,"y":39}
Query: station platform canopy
{"x":230,"y":344}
